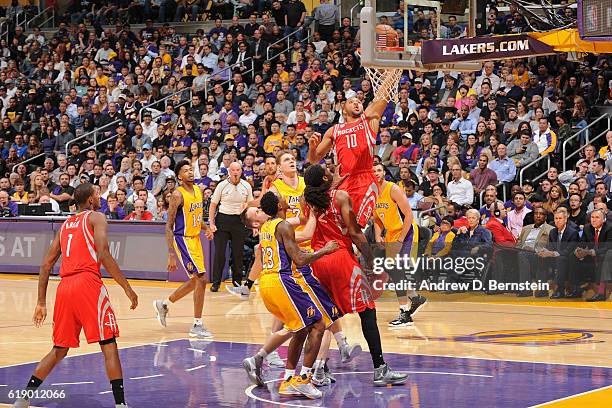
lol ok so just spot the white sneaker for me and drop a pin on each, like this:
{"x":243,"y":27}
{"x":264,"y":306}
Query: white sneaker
{"x":121,"y":406}
{"x":162,"y":311}
{"x":274,"y":360}
{"x":319,"y":378}
{"x":303,"y":385}
{"x":349,"y":351}
{"x":252,"y":366}
{"x":200,"y":332}
{"x":241,"y":291}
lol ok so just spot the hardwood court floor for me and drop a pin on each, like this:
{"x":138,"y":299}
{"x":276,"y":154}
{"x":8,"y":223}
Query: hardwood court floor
{"x":466,"y":339}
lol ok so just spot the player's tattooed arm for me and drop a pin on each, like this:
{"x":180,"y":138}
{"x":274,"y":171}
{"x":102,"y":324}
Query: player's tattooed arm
{"x":176,"y":199}
{"x":319,"y":147}
{"x":286,"y":235}
{"x":348,"y":216}
{"x":40,"y":313}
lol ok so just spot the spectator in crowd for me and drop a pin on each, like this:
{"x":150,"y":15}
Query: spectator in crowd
{"x":504,"y":167}
{"x":140,"y":212}
{"x":8,"y":208}
{"x":459,"y":189}
{"x":593,"y":252}
{"x":516,"y":216}
{"x":562,"y":242}
{"x":63,"y":192}
{"x":533,"y":239}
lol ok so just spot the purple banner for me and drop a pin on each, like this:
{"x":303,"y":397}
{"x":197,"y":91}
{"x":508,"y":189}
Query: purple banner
{"x":138,"y":247}
{"x":482,"y":49}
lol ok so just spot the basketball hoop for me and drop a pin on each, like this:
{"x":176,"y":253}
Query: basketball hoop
{"x":385,"y":81}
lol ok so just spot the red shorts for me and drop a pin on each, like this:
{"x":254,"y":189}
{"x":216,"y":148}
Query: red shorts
{"x":82,"y":302}
{"x":363,"y":190}
{"x":341,"y":275}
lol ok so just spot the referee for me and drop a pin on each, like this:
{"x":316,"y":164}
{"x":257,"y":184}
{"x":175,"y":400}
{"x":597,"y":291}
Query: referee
{"x":229,"y":198}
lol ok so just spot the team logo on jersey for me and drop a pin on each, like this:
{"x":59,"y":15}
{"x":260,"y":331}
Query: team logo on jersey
{"x":529,"y":337}
{"x":359,"y":289}
{"x":310,"y":312}
{"x":190,"y":267}
{"x":334,"y":311}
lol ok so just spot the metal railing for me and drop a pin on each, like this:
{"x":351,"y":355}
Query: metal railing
{"x":227,"y":81}
{"x":20,"y":19}
{"x":285,"y":38}
{"x":587,"y":132}
{"x":532,"y":164}
{"x":358,"y":4}
{"x":165,"y":98}
{"x":43,"y":13}
{"x":581,"y":148}
{"x":497,"y":186}
{"x":89,"y":134}
{"x":4,"y":29}
{"x":26,"y":161}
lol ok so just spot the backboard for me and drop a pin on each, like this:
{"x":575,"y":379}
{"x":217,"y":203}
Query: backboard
{"x":374,"y":56}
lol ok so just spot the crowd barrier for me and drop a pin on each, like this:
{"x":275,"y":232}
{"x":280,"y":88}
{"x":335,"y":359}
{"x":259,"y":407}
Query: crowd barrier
{"x":139,"y":247}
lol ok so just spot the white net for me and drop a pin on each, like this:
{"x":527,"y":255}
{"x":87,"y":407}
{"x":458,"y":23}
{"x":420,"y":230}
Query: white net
{"x":385,"y":82}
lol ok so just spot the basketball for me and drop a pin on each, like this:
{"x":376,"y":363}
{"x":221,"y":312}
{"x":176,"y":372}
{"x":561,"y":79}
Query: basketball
{"x":386,"y":36}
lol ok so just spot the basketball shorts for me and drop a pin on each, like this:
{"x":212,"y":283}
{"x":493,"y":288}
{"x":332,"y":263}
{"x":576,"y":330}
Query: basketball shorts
{"x":311,"y":284}
{"x":285,"y":298}
{"x":190,"y":253}
{"x":82,"y":302}
{"x":363,"y":190}
{"x":342,"y":277}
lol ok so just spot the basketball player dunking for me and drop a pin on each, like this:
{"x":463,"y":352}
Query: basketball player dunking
{"x":340,"y":272}
{"x":183,"y":238}
{"x":82,"y":301}
{"x":352,"y":143}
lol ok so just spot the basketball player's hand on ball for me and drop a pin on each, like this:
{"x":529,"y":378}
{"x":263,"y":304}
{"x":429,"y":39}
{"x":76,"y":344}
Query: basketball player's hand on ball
{"x":129,"y":292}
{"x":172,"y":263}
{"x":331,"y":246}
{"x":40,"y":314}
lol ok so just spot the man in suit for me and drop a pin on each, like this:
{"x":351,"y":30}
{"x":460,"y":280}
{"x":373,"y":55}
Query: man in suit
{"x":533,"y":239}
{"x":259,"y":47}
{"x":594,"y":251}
{"x":562,"y":242}
{"x":385,"y":148}
{"x":243,"y":54}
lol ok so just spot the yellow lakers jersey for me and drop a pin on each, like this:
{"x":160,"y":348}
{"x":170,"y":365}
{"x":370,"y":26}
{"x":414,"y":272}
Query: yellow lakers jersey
{"x":292,"y":198}
{"x":188,"y":220}
{"x":389,"y":213}
{"x":273,"y":255}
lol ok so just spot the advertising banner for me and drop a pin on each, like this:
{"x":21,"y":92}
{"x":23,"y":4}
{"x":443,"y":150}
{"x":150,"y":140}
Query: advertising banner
{"x":482,"y":49}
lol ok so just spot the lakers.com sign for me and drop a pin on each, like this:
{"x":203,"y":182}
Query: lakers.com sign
{"x":482,"y":49}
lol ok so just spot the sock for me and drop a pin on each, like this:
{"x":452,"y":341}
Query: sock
{"x":262,"y":353}
{"x":289,"y":373}
{"x":167,"y":302}
{"x":404,"y":308}
{"x":117,"y":386}
{"x":249,"y":283}
{"x":340,"y":338}
{"x":33,"y":384}
{"x":305,"y":370}
{"x":197,"y":322}
{"x":318,"y":365}
{"x":372,"y":336}
{"x":601,"y":289}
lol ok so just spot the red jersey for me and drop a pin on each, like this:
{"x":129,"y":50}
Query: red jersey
{"x":330,"y":225}
{"x":78,"y":247}
{"x":354,"y":146}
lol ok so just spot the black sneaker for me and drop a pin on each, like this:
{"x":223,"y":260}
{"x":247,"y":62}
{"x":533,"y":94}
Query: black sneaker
{"x":404,"y":319}
{"x":214,"y":287}
{"x":416,"y":303}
